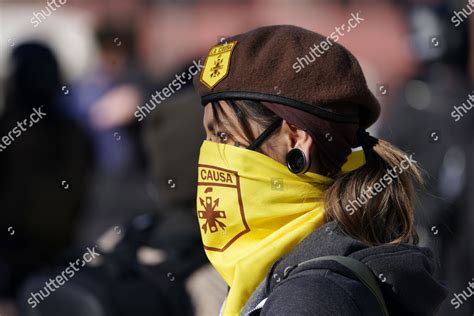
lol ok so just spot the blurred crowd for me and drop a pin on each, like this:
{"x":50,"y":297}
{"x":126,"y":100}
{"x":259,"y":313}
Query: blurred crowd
{"x":89,"y":173}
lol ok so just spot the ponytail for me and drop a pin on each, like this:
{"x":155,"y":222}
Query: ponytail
{"x":375,"y":203}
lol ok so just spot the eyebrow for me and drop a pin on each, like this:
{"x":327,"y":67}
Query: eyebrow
{"x":212,"y":125}
{"x":220,"y":120}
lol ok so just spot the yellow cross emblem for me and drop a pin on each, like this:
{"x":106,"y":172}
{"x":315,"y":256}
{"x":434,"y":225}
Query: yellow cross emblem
{"x":216,"y":66}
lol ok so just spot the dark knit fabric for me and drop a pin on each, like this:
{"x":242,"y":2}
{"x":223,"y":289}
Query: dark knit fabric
{"x":407,"y":276}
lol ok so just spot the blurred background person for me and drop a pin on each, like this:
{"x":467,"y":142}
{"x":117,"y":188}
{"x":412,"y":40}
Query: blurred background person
{"x":44,"y":172}
{"x":152,"y":264}
{"x":173,"y":129}
{"x":103,"y":102}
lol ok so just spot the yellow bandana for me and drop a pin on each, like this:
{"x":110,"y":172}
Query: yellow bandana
{"x":252,"y":210}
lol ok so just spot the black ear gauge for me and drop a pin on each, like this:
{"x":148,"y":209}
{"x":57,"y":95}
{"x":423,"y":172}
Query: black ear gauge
{"x":296,"y":161}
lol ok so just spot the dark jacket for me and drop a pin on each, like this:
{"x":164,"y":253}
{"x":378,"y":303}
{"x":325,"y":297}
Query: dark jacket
{"x":405,"y":275}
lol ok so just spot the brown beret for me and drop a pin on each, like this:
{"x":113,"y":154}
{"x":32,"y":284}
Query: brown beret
{"x":280,"y":64}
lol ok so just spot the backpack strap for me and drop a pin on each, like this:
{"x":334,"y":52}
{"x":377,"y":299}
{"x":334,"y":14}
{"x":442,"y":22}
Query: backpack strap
{"x":360,"y":270}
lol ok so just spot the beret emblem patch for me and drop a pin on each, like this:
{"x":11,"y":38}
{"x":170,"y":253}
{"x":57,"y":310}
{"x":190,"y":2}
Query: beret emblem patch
{"x":216,"y":66}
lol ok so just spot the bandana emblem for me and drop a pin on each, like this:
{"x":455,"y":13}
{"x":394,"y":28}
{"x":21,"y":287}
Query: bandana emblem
{"x":211,"y":216}
{"x":220,"y":208}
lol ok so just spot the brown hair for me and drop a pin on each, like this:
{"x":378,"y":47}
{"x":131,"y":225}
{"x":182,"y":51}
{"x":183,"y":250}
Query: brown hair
{"x":246,"y":110}
{"x":386,"y":217}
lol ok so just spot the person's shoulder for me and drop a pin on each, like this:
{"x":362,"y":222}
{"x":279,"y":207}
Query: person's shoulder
{"x":320,"y":292}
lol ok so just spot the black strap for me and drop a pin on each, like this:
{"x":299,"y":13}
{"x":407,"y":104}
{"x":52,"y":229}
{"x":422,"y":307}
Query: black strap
{"x":360,"y":270}
{"x":257,"y":96}
{"x":265,"y":134}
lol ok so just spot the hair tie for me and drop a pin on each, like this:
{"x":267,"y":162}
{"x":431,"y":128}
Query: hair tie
{"x":367,"y":142}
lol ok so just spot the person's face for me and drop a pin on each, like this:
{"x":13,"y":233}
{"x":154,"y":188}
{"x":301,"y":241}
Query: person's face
{"x":229,"y":131}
